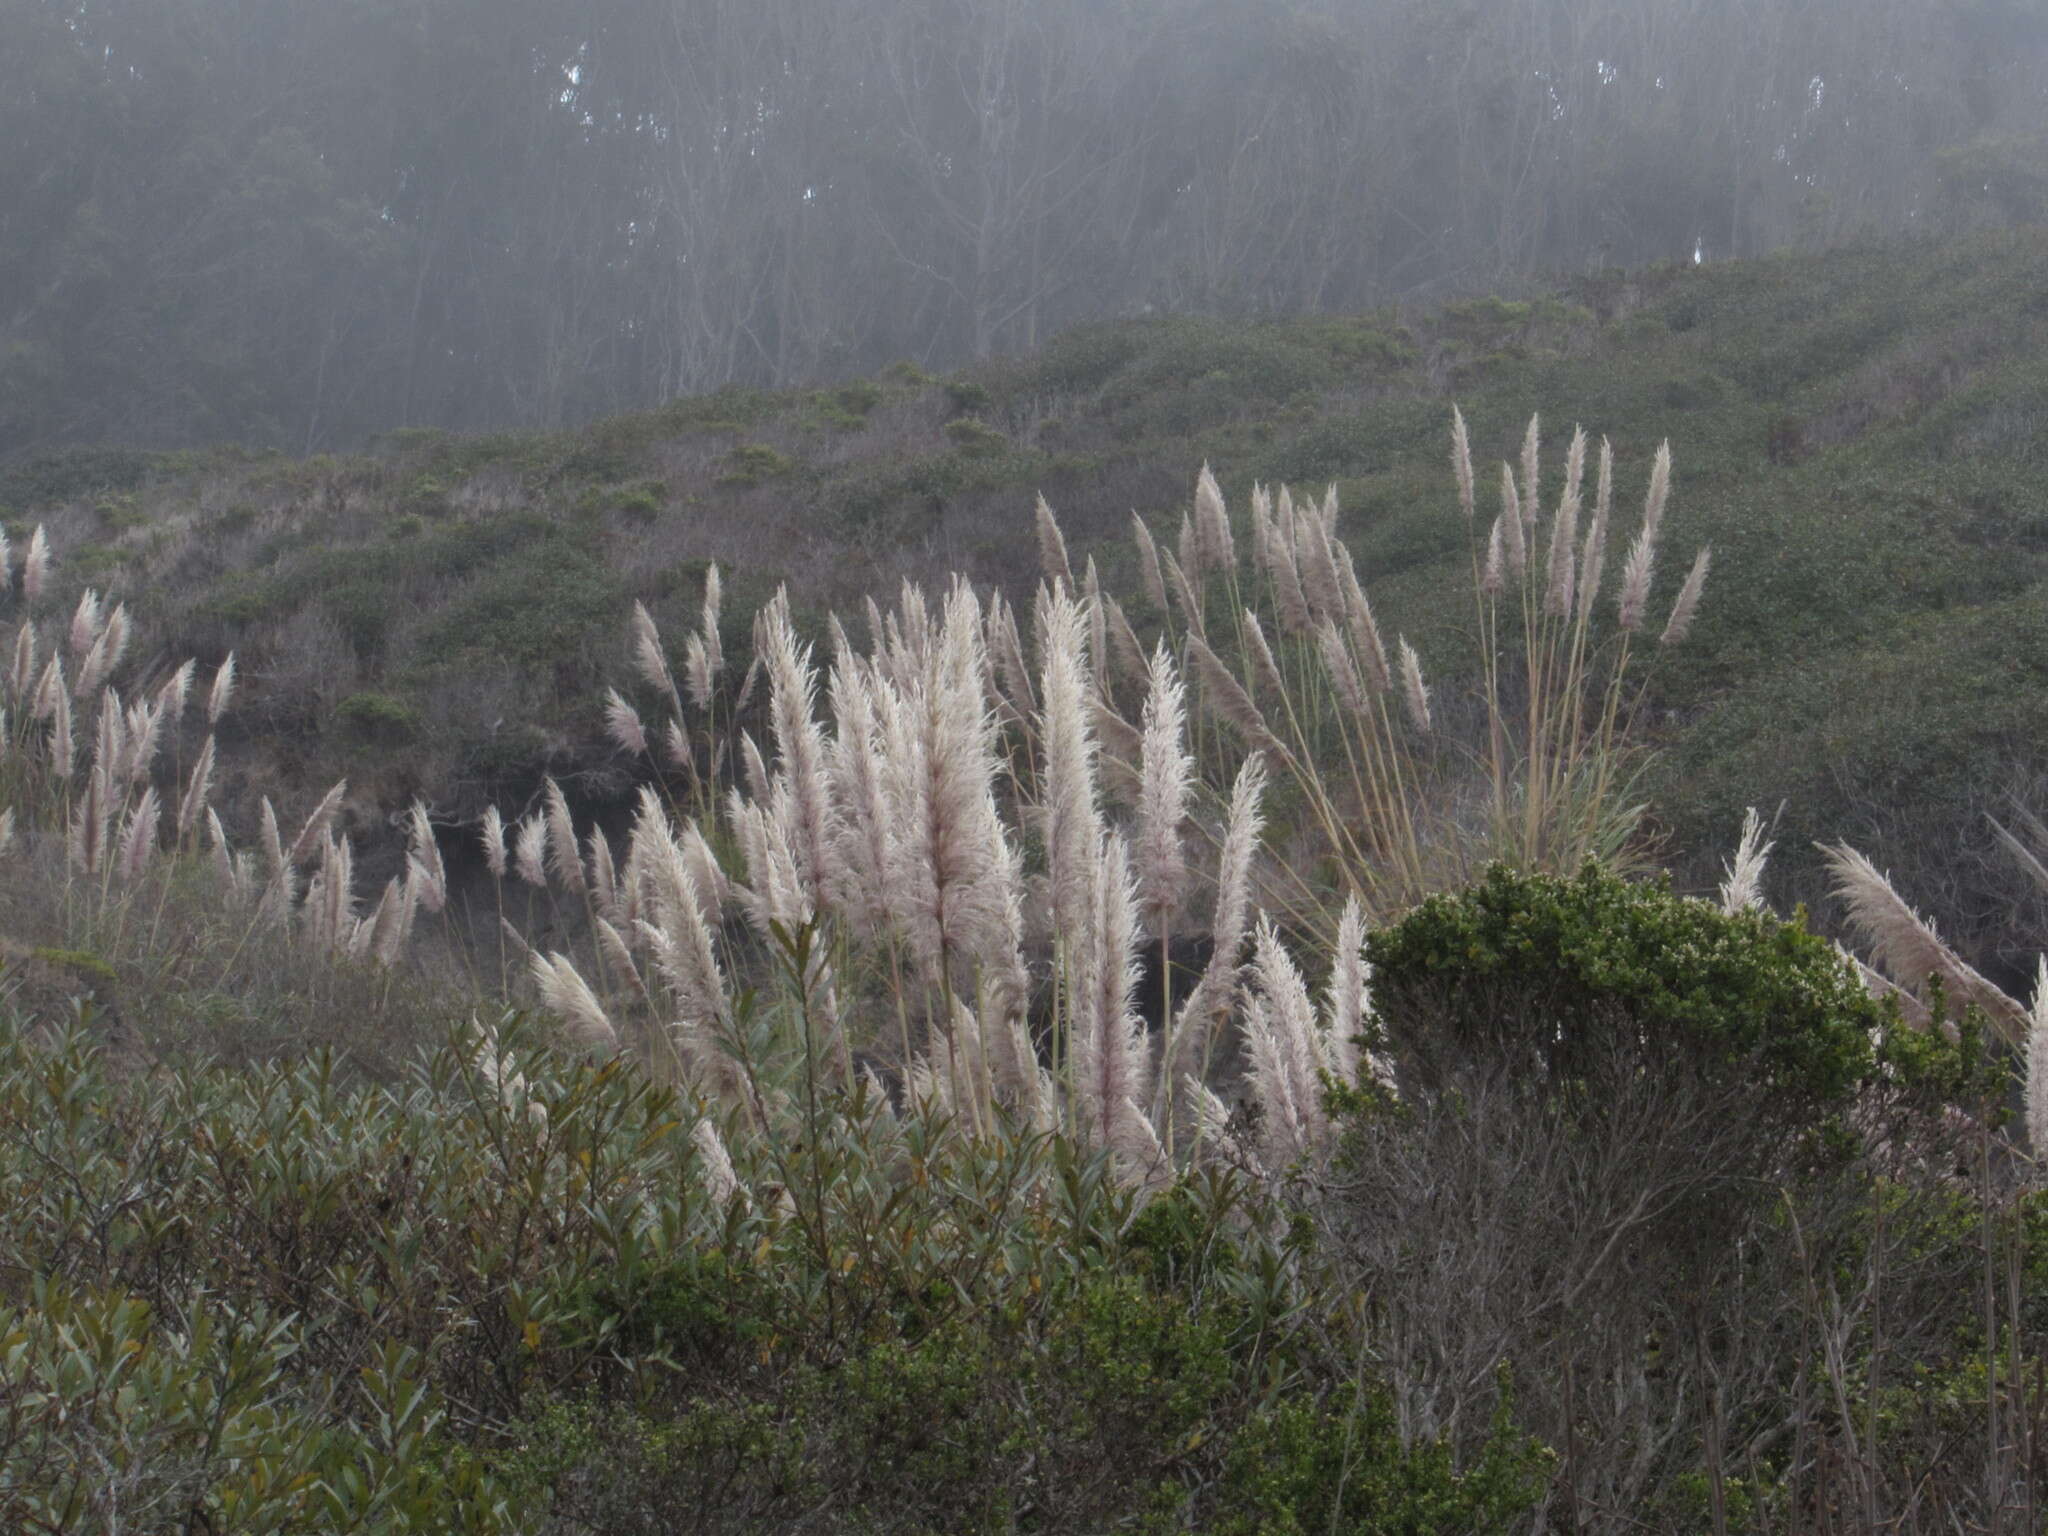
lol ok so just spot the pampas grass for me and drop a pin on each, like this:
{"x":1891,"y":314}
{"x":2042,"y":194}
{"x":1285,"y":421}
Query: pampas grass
{"x":1906,"y":947}
{"x":1742,"y":890}
{"x":1402,"y":809}
{"x":947,"y":858}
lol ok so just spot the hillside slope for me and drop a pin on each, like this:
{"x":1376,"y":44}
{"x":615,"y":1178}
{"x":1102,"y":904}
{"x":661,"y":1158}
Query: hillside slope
{"x":1859,"y":436}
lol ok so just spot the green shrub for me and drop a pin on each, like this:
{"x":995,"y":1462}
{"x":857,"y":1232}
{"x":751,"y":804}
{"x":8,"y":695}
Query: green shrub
{"x":640,"y":501}
{"x":1300,"y":1469}
{"x":1563,"y":973}
{"x":752,"y":463}
{"x":424,"y":497}
{"x":966,"y":395}
{"x":541,"y":606}
{"x":1359,"y":340}
{"x":94,"y":564}
{"x":38,"y":480}
{"x":241,"y":598}
{"x":362,"y":607}
{"x":120,"y":514}
{"x":858,"y":397}
{"x":377,"y":719}
{"x":975,"y":437}
{"x":732,"y":408}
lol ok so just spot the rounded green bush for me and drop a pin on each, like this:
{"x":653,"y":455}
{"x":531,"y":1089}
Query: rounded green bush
{"x":1566,"y":973}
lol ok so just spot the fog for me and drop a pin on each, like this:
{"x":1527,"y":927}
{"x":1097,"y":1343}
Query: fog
{"x":298,"y":223}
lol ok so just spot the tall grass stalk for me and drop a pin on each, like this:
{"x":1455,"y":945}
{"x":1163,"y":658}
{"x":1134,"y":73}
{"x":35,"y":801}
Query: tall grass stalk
{"x":1399,"y":791}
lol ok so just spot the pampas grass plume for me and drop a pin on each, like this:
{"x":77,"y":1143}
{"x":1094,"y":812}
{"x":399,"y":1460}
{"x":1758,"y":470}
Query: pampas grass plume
{"x":222,"y":693}
{"x":424,"y":850}
{"x":1593,"y":556}
{"x":1344,"y":679}
{"x":22,"y":675}
{"x":721,"y":1183}
{"x":1228,"y":698}
{"x":648,"y":655}
{"x":1511,"y":524}
{"x":1347,"y":1001}
{"x":494,"y":842}
{"x":1359,"y":620}
{"x":1318,"y":567}
{"x":1265,"y":669}
{"x":1635,"y":582}
{"x":697,"y":672}
{"x":1461,"y":461}
{"x":1493,"y":578}
{"x":1184,"y":591}
{"x":197,"y":789}
{"x":35,"y":567}
{"x":1906,"y":946}
{"x":1688,"y":602}
{"x":1148,"y":562}
{"x":622,"y":723}
{"x":317,"y":824}
{"x":138,"y":837}
{"x":1412,"y":687}
{"x":1561,"y":575}
{"x":1189,"y":548}
{"x":714,"y":597}
{"x":568,"y":995}
{"x":564,"y":856}
{"x":62,"y":747}
{"x":1743,"y":888}
{"x":530,"y":849}
{"x":1660,"y":489}
{"x":1212,"y":524}
{"x":85,"y":623}
{"x":1072,"y":820}
{"x":176,"y":691}
{"x":1532,"y":443}
{"x":1052,"y":547}
{"x":1167,"y":774}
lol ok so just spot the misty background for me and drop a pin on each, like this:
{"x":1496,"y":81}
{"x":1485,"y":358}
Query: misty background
{"x":296,"y":223}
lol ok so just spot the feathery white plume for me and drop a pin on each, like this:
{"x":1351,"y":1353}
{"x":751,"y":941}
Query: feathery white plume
{"x":1743,"y":889}
{"x":1166,"y":776}
{"x":222,"y":693}
{"x":494,"y":842}
{"x":568,"y":995}
{"x":622,"y":723}
{"x":1413,"y":688}
{"x":1148,"y":563}
{"x":1688,"y":601}
{"x":1461,"y":461}
{"x":1052,"y":548}
{"x":35,"y":568}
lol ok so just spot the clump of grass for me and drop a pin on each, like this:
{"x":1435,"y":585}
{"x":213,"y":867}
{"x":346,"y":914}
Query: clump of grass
{"x":115,"y":847}
{"x":964,"y":832}
{"x":951,"y":876}
{"x":1402,"y":792}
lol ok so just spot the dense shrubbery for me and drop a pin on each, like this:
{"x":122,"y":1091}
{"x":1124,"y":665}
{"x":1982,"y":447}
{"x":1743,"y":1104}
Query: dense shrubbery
{"x":509,"y":1293}
{"x":511,"y":1296}
{"x":1680,"y":1168}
